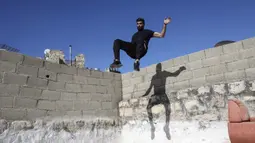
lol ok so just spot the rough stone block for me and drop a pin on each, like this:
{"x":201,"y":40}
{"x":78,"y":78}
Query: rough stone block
{"x":220,"y":89}
{"x":197,"y":56}
{"x":235,"y":75}
{"x":230,"y":57}
{"x":83,"y":72}
{"x":88,"y":88}
{"x":96,"y":74}
{"x":221,"y":68}
{"x":37,"y":82}
{"x":233,"y":47}
{"x":181,"y":60}
{"x":181,"y":84}
{"x":59,"y":86}
{"x":194,"y":65}
{"x":46,"y":105}
{"x":32,"y":93}
{"x":84,"y":96}
{"x":201,"y":72}
{"x":238,"y":65}
{"x":217,"y":78}
{"x":80,"y":79}
{"x":7,"y":66}
{"x":21,"y":102}
{"x":211,"y":61}
{"x":250,"y":73}
{"x":100,"y":97}
{"x":46,"y":74}
{"x":64,"y":105}
{"x":236,"y":87}
{"x":93,"y":81}
{"x":9,"y":90}
{"x":68,"y":70}
{"x":126,"y":112}
{"x":185,"y":75}
{"x":213,"y":52}
{"x":12,"y":78}
{"x":13,"y":114}
{"x":6,"y":102}
{"x":69,"y":96}
{"x":247,"y":53}
{"x":65,"y":77}
{"x":249,"y":43}
{"x":107,"y":105}
{"x":33,"y":114}
{"x":73,"y":87}
{"x":196,"y":82}
{"x":31,"y":61}
{"x":11,"y":57}
{"x":50,"y":95}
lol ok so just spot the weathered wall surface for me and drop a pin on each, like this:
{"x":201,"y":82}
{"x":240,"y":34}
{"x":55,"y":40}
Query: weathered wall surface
{"x":203,"y":88}
{"x":31,"y":88}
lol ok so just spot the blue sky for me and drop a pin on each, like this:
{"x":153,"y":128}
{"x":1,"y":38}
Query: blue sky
{"x":91,"y":26}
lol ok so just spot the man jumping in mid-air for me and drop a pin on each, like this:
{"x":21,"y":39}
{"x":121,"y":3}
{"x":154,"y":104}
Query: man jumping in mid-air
{"x":138,"y":47}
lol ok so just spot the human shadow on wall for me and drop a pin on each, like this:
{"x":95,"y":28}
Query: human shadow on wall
{"x":158,"y":81}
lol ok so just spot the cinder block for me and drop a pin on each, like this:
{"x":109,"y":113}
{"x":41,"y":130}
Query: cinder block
{"x":185,"y":75}
{"x":31,"y":61}
{"x":233,"y":47}
{"x":249,"y":43}
{"x":126,"y":96}
{"x":74,"y":113}
{"x":46,"y":105}
{"x":235,"y":75}
{"x":213,"y":52}
{"x":197,"y":56}
{"x":250,"y":73}
{"x":105,"y":82}
{"x":137,"y":80}
{"x":46,"y":74}
{"x":247,"y":53}
{"x":83,"y":72}
{"x":54,"y":67}
{"x":88,"y":88}
{"x":37,"y":82}
{"x":221,"y":68}
{"x":33,"y":114}
{"x":143,"y":86}
{"x":84,"y":96}
{"x":94,"y":105}
{"x":13,"y":114}
{"x":50,"y":95}
{"x":181,"y":60}
{"x":201,"y":72}
{"x":106,"y":105}
{"x":59,"y":86}
{"x":251,"y":62}
{"x":27,"y":70}
{"x":164,"y":65}
{"x":6,"y":102}
{"x":80,"y":79}
{"x":106,"y":113}
{"x":148,"y":77}
{"x":126,"y":83}
{"x":11,"y":57}
{"x":21,"y":102}
{"x":238,"y":65}
{"x":101,"y":89}
{"x":65,"y":77}
{"x":140,"y":73}
{"x":96,"y":74}
{"x":197,"y":82}
{"x":7,"y":66}
{"x":194,"y":65}
{"x":108,"y":75}
{"x":214,"y":79}
{"x":181,"y":85}
{"x":126,"y":76}
{"x":211,"y":61}
{"x":100,"y":97}
{"x":13,"y":78}
{"x":9,"y":90}
{"x":152,"y":68}
{"x":231,"y":57}
{"x":117,"y":76}
{"x":127,"y":90}
{"x":93,"y":81}
{"x":81,"y":105}
{"x":68,"y":70}
{"x":64,"y":105}
{"x":68,"y":96}
{"x":73,"y":87}
{"x":32,"y":93}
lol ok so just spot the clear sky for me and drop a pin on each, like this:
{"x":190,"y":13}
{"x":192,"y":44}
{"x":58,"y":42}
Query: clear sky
{"x":91,"y":26}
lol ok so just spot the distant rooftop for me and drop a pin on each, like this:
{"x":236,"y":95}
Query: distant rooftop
{"x":8,"y":48}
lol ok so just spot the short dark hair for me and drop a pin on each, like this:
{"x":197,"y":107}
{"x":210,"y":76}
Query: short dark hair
{"x":140,"y":19}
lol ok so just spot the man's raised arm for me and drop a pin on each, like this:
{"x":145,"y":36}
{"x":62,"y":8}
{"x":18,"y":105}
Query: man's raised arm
{"x":163,"y":32}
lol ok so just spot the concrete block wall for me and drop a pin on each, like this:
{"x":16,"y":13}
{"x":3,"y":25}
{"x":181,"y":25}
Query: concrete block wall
{"x":31,"y":88}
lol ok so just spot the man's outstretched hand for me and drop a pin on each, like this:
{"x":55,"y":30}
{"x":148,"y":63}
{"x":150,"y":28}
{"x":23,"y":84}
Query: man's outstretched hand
{"x":182,"y":68}
{"x":167,"y":20}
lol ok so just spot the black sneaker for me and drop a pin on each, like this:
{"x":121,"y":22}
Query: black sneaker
{"x":116,"y":64}
{"x":136,"y":66}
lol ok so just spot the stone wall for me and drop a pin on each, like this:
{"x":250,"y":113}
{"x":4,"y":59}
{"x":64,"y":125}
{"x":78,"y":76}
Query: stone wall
{"x":31,"y":88}
{"x":199,"y":91}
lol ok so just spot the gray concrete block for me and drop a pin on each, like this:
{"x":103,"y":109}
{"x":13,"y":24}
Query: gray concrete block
{"x":247,"y":53}
{"x":100,"y":97}
{"x":94,"y":105}
{"x":197,"y":56}
{"x":65,"y":77}
{"x":148,"y":77}
{"x":126,"y":96}
{"x":152,"y":68}
{"x":106,"y":105}
{"x":250,"y":73}
{"x":181,"y":60}
{"x":117,"y":76}
{"x":32,"y":93}
{"x":21,"y":102}
{"x":213,"y":52}
{"x":31,"y":61}
{"x":83,"y":72}
{"x":101,"y":89}
{"x":235,"y":75}
{"x":214,"y":79}
{"x":54,"y":67}
{"x":107,"y":113}
{"x":105,"y":82}
{"x":9,"y":90}
{"x":74,"y":113}
{"x":194,"y":65}
{"x":59,"y":86}
{"x":13,"y":114}
{"x":13,"y":78}
{"x":211,"y":61}
{"x":197,"y":82}
{"x":69,"y":96}
{"x":185,"y":75}
{"x":81,"y":105}
{"x":96,"y":74}
{"x":137,"y":80}
{"x":127,"y":90}
{"x":140,"y":73}
{"x":143,"y":86}
{"x":251,"y":62}
{"x":88,"y":88}
{"x":50,"y":95}
{"x":7,"y":66}
{"x":46,"y":105}
{"x":233,"y":47}
{"x":64,"y":105}
{"x":126,"y":76}
{"x":93,"y":81}
{"x":6,"y":102}
{"x":231,"y":57}
{"x":56,"y":113}
{"x":249,"y":43}
{"x":37,"y":82}
{"x":221,"y":68}
{"x":181,"y":85}
{"x":201,"y":72}
{"x":46,"y":74}
{"x":238,"y":65}
{"x":126,"y":83}
{"x":27,"y":70}
{"x":108,"y":75}
{"x":165,"y":65}
{"x":80,"y":79}
{"x":33,"y":114}
{"x":68,"y":70}
{"x":84,"y":96}
{"x":11,"y":57}
{"x":73,"y":87}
